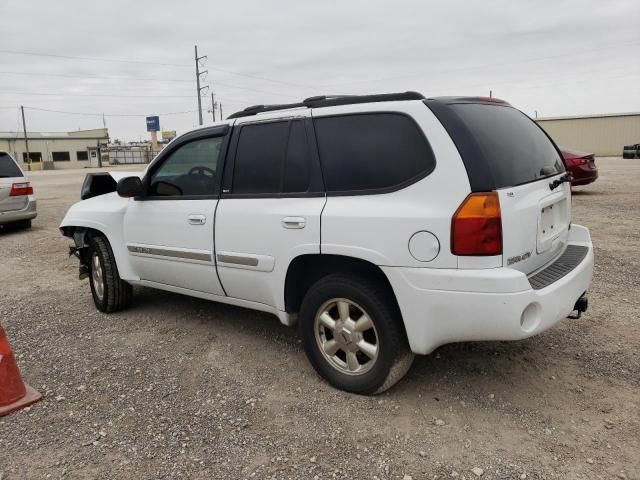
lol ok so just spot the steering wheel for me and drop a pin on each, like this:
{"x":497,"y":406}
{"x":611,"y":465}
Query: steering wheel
{"x":204,"y":171}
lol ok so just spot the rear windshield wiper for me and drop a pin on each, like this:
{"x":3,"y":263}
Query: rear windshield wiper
{"x":567,"y":177}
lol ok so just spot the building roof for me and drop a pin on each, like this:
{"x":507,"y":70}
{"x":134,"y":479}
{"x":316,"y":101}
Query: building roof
{"x":600,"y":115}
{"x":95,"y":134}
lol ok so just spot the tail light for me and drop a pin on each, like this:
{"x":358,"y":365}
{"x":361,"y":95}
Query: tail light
{"x":20,"y":189}
{"x":476,"y":227}
{"x":578,"y":161}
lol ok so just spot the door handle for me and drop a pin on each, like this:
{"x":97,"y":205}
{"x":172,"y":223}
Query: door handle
{"x":294,"y":222}
{"x":197,"y":219}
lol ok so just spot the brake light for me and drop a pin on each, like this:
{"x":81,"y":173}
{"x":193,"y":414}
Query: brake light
{"x":19,"y":189}
{"x":577,"y":161}
{"x":476,"y":227}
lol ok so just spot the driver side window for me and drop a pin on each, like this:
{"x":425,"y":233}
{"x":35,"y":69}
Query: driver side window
{"x":189,"y":170}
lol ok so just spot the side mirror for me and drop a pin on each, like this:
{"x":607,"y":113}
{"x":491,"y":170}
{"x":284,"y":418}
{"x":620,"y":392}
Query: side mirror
{"x":129,"y":187}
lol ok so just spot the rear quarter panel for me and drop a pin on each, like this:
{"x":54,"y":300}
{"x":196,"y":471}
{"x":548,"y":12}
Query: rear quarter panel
{"x":378,"y":227}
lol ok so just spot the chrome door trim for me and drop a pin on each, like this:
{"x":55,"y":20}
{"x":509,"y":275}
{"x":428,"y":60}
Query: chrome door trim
{"x":237,"y":259}
{"x":164,"y":252}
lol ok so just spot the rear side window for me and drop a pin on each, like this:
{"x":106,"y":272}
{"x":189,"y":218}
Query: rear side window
{"x":258,"y":165}
{"x":297,"y":165}
{"x":8,"y":167}
{"x":371,"y":152}
{"x":514,"y":148}
{"x":272,"y":158}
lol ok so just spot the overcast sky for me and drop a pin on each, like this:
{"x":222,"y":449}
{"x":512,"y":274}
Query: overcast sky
{"x":554,"y":56}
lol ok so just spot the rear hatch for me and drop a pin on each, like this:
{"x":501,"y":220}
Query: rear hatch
{"x":10,"y":174}
{"x":505,"y":151}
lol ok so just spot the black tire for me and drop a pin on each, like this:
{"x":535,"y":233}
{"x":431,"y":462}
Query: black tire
{"x":22,"y":224}
{"x":116,"y":293}
{"x":394,"y":358}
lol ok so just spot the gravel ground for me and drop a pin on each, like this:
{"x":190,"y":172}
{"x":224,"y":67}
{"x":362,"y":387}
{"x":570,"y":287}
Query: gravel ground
{"x":178,"y":387}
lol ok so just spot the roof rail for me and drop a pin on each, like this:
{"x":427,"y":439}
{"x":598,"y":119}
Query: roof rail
{"x":329,"y":101}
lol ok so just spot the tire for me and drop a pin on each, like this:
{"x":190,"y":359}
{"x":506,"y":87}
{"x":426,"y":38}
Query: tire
{"x":364,"y":375}
{"x":22,"y":224}
{"x":109,"y":292}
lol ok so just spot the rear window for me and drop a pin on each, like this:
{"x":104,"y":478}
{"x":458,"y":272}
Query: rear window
{"x":8,"y":167}
{"x":515,"y":149}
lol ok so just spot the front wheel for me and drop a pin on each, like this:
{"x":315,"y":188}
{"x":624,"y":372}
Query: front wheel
{"x":110,"y":292}
{"x":352,"y":334}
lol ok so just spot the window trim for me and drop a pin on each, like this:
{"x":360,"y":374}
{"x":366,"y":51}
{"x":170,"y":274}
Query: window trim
{"x":382,"y":190}
{"x":316,"y":183}
{"x":201,"y":134}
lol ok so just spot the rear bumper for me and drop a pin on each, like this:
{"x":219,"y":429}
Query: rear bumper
{"x":583,"y":175}
{"x":27,"y":213}
{"x":443,"y":306}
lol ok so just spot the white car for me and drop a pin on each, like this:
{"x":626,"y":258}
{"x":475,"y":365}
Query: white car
{"x":384,"y":225}
{"x":17,"y":201}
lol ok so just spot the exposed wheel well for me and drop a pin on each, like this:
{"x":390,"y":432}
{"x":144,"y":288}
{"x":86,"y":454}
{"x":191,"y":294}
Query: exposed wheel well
{"x":306,"y":270}
{"x":81,"y":237}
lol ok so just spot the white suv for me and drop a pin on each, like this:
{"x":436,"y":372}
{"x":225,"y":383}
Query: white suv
{"x":386,"y":225}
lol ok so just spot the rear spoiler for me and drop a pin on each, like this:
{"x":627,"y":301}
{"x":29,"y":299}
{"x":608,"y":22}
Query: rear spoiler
{"x":101,"y":183}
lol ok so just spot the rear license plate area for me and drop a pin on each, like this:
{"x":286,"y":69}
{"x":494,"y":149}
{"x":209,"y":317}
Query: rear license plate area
{"x":553,"y":221}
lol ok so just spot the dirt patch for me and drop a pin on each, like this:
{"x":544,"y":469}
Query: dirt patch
{"x":177,"y":387}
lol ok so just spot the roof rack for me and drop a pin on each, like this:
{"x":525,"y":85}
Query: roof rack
{"x":329,"y":101}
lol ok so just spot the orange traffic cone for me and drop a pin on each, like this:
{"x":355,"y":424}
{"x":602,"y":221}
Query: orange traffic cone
{"x":14,"y":393}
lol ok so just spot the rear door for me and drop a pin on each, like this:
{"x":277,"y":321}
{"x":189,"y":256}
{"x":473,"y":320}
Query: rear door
{"x":10,"y":173}
{"x":270,"y":208}
{"x":505,"y":151}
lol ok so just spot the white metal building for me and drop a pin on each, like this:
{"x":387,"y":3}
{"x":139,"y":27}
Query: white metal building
{"x":603,"y":135}
{"x":54,"y":150}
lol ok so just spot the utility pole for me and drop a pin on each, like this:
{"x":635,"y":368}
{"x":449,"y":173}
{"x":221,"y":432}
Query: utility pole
{"x":99,"y":153}
{"x":213,"y":107}
{"x":199,"y":88}
{"x":26,"y":140}
{"x":490,"y":94}
{"x":221,"y":116}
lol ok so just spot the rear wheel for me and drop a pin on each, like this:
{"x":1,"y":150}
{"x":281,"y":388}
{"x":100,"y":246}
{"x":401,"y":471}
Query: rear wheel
{"x":110,"y":293}
{"x":352,"y":335}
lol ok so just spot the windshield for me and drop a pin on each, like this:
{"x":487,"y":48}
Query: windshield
{"x":8,"y":167}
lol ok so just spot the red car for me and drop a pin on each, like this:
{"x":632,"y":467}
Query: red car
{"x":582,"y":166}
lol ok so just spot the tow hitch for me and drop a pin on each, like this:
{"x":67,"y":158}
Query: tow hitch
{"x":581,"y":306}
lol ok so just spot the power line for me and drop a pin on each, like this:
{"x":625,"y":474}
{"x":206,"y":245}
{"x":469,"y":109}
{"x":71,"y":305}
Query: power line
{"x":94,"y":59}
{"x":93,"y":95}
{"x":98,"y":77}
{"x":114,"y":60}
{"x":264,"y":79}
{"x":482,"y":66}
{"x":108,"y":114}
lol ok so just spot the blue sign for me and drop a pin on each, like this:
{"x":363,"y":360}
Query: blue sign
{"x":153,"y":124}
